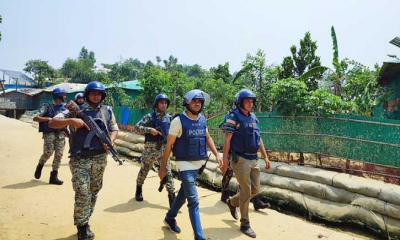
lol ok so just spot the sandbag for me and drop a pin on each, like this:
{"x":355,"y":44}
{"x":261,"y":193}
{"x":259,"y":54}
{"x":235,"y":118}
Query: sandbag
{"x":368,"y":187}
{"x":138,"y":147}
{"x":334,"y":194}
{"x":127,"y":152}
{"x":130,"y":137}
{"x":303,"y":173}
{"x":334,"y":212}
{"x":308,"y":187}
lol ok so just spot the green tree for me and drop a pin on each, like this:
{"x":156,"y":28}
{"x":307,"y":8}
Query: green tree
{"x":42,"y":72}
{"x":256,"y":75}
{"x":361,"y":87}
{"x":221,"y":72}
{"x":127,"y":70}
{"x":153,"y":81}
{"x":80,"y":70}
{"x":289,"y":96}
{"x":337,"y":74}
{"x":321,"y":102}
{"x":301,"y":61}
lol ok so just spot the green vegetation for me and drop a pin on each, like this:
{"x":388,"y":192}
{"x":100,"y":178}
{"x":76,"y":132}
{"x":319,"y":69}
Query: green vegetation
{"x":299,"y":85}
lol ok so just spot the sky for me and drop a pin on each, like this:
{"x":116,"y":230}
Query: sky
{"x":206,"y":32}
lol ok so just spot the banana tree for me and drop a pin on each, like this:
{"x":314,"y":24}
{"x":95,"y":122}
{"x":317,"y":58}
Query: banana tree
{"x":335,"y":75}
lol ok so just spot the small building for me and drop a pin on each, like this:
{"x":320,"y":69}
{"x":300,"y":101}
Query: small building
{"x":389,"y":79}
{"x":17,"y":101}
{"x":70,"y":88}
{"x":13,"y":103}
{"x":15,"y":80}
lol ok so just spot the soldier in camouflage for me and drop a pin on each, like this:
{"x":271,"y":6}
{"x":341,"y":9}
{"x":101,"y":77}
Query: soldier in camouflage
{"x":54,"y":139}
{"x":155,"y":127}
{"x":87,"y":164}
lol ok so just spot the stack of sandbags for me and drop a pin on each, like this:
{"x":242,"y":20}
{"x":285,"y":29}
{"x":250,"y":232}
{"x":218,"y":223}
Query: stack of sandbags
{"x":129,"y":144}
{"x":130,"y":137}
{"x":332,"y":196}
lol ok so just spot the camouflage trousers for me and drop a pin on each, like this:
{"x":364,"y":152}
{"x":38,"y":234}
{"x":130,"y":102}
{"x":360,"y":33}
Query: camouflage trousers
{"x":87,"y":180}
{"x":151,"y":156}
{"x":54,"y":142}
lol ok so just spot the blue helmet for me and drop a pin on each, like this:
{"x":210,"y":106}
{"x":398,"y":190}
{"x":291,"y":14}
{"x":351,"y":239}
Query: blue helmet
{"x":196,"y":94}
{"x":242,"y":94}
{"x":78,"y":95}
{"x":95,"y":86}
{"x":59,"y":93}
{"x":160,"y":97}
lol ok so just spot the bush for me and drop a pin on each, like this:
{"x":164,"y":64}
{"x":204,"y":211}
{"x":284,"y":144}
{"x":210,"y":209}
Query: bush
{"x":289,"y":96}
{"x":322,"y":102}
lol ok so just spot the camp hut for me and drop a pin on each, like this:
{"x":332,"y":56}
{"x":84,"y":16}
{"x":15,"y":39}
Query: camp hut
{"x":389,"y":79}
{"x":70,"y":88}
{"x":13,"y":103}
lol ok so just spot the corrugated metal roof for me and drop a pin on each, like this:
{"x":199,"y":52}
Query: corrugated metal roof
{"x":27,"y":91}
{"x":130,"y":85}
{"x":389,"y":72}
{"x":16,"y":74}
{"x":68,"y":87}
{"x":78,"y":87}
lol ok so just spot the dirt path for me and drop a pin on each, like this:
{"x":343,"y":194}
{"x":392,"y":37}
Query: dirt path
{"x":32,"y":209}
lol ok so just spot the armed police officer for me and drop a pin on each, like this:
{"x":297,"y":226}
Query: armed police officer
{"x":54,"y":139}
{"x":87,"y":164}
{"x":155,"y":127}
{"x":79,"y":99}
{"x":225,"y":192}
{"x":242,"y":141}
{"x":188,"y":139}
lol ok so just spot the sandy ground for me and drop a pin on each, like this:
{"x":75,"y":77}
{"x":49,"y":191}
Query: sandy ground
{"x":33,"y":209}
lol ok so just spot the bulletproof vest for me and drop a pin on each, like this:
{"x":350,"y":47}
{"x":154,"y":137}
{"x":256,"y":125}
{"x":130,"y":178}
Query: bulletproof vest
{"x":192,"y":144}
{"x":246,"y":139}
{"x":52,"y":110}
{"x":161,"y":125}
{"x":102,"y":117}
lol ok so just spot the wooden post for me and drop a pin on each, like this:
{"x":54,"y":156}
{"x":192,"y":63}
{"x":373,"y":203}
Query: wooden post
{"x":301,"y":159}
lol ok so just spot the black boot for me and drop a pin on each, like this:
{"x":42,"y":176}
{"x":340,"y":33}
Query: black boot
{"x":54,"y":179}
{"x":83,"y":233}
{"x":232,"y":209}
{"x":171,"y":198}
{"x":90,"y":234}
{"x":224,"y":195}
{"x":138,"y":194}
{"x":246,"y":229}
{"x":258,"y":204}
{"x":38,"y":171}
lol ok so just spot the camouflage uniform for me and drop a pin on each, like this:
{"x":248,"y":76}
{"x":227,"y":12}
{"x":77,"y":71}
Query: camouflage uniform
{"x":87,"y":180}
{"x":152,"y":152}
{"x":87,"y":176}
{"x":54,"y":142}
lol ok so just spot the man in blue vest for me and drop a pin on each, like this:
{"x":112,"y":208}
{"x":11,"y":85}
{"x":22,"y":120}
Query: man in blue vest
{"x":188,"y":139}
{"x":155,"y":126}
{"x":79,"y":99}
{"x":225,"y":192}
{"x":87,"y":164}
{"x":242,"y":141}
{"x":54,"y":139}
